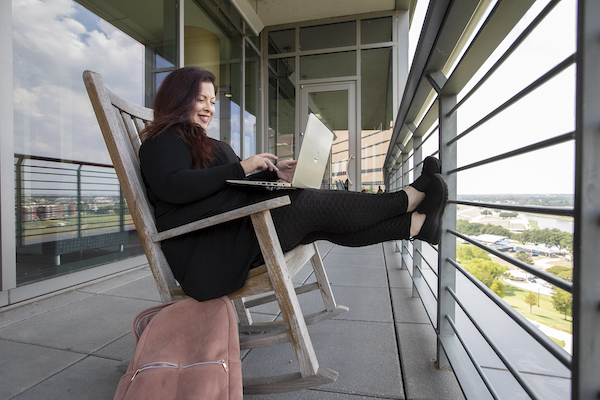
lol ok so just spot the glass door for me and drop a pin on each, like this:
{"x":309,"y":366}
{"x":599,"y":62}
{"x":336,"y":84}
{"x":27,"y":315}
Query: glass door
{"x":335,"y":105}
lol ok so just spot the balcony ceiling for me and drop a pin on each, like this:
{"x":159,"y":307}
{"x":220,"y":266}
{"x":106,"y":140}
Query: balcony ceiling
{"x":278,"y":12}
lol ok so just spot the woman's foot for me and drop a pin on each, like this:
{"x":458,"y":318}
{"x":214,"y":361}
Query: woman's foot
{"x":416,"y":223}
{"x":431,"y":166}
{"x":433,"y":209}
{"x":414,"y":198}
{"x":417,"y":190}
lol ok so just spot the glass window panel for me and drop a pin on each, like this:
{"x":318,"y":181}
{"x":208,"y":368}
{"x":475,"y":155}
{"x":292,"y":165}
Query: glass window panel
{"x":70,"y":213}
{"x":159,"y":77}
{"x":251,"y":101}
{"x":230,"y":96}
{"x":328,"y":65}
{"x":377,"y":115}
{"x":376,"y":30}
{"x":282,"y":105}
{"x":207,"y":47}
{"x":162,"y":63}
{"x":332,"y":108}
{"x":328,"y":36}
{"x":282,"y":41}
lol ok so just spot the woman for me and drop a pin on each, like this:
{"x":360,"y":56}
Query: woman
{"x":185,"y":172}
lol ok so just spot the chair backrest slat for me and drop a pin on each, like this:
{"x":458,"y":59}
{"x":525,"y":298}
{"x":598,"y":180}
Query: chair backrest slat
{"x":134,"y":135}
{"x":121,"y":122}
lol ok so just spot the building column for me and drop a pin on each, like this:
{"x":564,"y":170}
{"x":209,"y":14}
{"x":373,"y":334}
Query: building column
{"x":7,"y":182}
{"x":586,"y":274}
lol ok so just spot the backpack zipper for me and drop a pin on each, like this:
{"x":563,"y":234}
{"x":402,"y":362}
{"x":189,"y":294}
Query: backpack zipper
{"x":222,"y":362}
{"x":169,"y":365}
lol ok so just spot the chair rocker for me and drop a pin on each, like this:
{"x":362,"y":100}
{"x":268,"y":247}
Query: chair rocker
{"x":121,"y":123}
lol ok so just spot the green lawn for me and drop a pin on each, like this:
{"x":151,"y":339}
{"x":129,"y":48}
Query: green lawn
{"x":544,"y":314}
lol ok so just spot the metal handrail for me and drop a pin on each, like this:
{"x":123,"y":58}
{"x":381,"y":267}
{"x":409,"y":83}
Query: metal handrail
{"x":559,"y":211}
{"x":542,"y":339}
{"x":433,"y":292}
{"x":539,"y":82}
{"x":72,"y":188}
{"x":427,"y":262}
{"x":513,"y":370}
{"x":430,"y":96}
{"x":478,"y":368}
{"x":514,"y":46}
{"x":523,"y":150}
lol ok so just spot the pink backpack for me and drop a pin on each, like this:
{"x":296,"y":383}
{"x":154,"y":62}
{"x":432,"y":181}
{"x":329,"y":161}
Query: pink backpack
{"x":184,"y":350}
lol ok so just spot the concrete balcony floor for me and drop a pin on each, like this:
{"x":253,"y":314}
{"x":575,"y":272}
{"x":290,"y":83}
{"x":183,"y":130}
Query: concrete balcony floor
{"x":76,"y":345}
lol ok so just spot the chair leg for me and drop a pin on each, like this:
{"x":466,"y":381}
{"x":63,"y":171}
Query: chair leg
{"x":242,"y":311}
{"x":332,"y":309}
{"x":322,"y":280}
{"x":285,"y":293}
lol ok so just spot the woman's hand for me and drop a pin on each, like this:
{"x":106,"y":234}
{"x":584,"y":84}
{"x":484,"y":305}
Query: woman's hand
{"x":286,"y":170}
{"x":259,"y":162}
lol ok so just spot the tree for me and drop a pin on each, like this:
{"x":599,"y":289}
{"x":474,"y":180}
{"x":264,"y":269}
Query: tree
{"x":525,"y":237}
{"x":498,"y":287}
{"x":466,"y":252}
{"x":486,"y":212}
{"x":525,"y":257}
{"x":562,"y":301}
{"x":495,"y":230}
{"x":565,"y":273}
{"x":566,"y":241}
{"x":481,"y":266}
{"x":467,"y":228}
{"x":531,"y":300}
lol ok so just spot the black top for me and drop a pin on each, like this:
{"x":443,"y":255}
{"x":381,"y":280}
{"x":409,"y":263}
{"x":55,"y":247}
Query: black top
{"x":215,"y":261}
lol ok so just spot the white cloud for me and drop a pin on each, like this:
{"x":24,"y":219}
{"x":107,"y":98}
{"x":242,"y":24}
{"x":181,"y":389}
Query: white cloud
{"x":51,"y":49}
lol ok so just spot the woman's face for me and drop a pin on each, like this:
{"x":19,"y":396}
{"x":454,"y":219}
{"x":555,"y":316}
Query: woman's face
{"x":204,"y":107}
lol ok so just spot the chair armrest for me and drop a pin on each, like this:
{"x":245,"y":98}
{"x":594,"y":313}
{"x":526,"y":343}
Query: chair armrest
{"x":221,"y":218}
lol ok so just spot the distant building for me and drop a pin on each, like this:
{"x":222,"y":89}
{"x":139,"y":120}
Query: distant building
{"x":492,"y":239}
{"x":538,"y":249}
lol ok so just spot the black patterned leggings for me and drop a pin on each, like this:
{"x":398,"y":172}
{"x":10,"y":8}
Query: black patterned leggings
{"x":341,"y":217}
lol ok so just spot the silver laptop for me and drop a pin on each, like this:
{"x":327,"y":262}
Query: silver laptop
{"x":312,"y":159}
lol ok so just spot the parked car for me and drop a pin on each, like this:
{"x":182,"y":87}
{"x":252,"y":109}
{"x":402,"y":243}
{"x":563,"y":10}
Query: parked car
{"x":531,"y":279}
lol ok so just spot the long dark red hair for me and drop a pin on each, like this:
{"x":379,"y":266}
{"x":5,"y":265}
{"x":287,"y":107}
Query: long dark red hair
{"x":173,"y":106}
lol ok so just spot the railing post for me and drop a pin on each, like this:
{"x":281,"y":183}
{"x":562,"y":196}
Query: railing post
{"x":122,"y":206}
{"x":19,"y":200}
{"x":586,"y":274}
{"x":447,"y":247}
{"x":79,"y":205}
{"x":405,"y":181}
{"x":417,"y":244}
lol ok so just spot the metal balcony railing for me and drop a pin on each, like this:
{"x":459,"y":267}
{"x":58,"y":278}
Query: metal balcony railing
{"x":63,"y":207}
{"x":462,"y":46}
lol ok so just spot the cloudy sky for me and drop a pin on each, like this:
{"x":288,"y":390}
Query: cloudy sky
{"x":53,"y":43}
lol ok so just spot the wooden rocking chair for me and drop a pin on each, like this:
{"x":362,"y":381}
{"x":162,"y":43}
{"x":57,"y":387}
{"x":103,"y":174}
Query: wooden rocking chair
{"x":121,"y":122}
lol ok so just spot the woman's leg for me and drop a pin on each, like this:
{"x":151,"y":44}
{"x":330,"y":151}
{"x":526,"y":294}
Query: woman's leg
{"x":348,"y":218}
{"x":393,"y":229}
{"x":359,"y":219}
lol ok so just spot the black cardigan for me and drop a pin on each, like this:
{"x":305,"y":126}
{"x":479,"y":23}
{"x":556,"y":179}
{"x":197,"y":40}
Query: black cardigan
{"x":215,"y":261}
